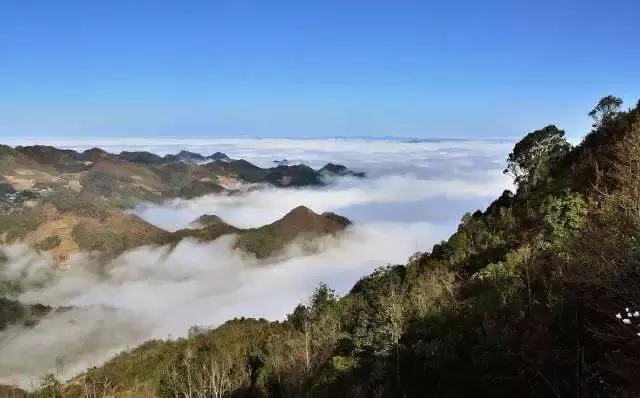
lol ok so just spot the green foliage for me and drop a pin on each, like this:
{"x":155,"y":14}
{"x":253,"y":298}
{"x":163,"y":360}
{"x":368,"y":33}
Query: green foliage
{"x":17,"y":224}
{"x":481,"y":238}
{"x":323,"y":297}
{"x":343,"y":364}
{"x":497,"y":272}
{"x":564,"y":217}
{"x":116,"y":189}
{"x":49,"y":387}
{"x":262,"y":242}
{"x":271,"y":239}
{"x":77,"y":203}
{"x":502,"y":281}
{"x":199,"y":188}
{"x":101,"y":240}
{"x":111,"y":239}
{"x":533,"y":156}
{"x":606,"y":109}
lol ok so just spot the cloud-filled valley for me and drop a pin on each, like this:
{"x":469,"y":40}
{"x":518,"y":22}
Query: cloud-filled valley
{"x":413,"y":196}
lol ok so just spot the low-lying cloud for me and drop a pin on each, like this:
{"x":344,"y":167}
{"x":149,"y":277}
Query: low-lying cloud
{"x":411,"y":200}
{"x":158,"y":292}
{"x":347,"y":196}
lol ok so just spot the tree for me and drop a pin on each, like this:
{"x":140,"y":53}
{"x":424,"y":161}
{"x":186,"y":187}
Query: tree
{"x":532,"y":157}
{"x":394,"y":316}
{"x":322,"y":297}
{"x":626,"y":170}
{"x":319,"y":323}
{"x":49,"y":388}
{"x":97,"y":387}
{"x":254,"y":364}
{"x":214,"y":378}
{"x":606,"y":108}
{"x":322,"y":327}
{"x":200,"y":377}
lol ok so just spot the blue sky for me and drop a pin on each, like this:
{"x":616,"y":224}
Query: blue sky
{"x":311,"y":68}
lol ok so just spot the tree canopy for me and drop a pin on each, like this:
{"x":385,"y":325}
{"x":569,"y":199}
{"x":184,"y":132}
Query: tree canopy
{"x":532,"y":157}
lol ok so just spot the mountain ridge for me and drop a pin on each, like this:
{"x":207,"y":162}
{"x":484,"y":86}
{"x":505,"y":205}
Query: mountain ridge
{"x":130,"y":177}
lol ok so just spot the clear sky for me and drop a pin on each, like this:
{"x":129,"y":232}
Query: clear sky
{"x":312,"y":68}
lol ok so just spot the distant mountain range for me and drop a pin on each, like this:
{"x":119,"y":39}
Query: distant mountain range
{"x":129,"y":177}
{"x":182,"y":156}
{"x":63,"y":201}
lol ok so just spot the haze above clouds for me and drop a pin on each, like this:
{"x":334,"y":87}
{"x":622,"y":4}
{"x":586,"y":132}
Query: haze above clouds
{"x":414,"y":196}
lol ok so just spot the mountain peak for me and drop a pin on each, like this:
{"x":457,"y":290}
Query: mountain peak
{"x":334,"y":169}
{"x":219,"y":156}
{"x":206,"y":220}
{"x":301,"y":210}
{"x":299,"y":222}
{"x":303,"y":218}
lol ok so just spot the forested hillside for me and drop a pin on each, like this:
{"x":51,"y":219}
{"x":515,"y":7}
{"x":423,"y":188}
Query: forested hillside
{"x":535,"y":296}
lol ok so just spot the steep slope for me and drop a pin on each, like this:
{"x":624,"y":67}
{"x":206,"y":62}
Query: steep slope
{"x":64,"y":224}
{"x":299,"y":223}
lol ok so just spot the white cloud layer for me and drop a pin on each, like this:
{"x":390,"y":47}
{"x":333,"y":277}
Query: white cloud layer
{"x":347,"y":196}
{"x":414,"y":196}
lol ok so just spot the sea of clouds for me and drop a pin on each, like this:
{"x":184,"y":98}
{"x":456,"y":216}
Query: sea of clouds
{"x":414,"y":195}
